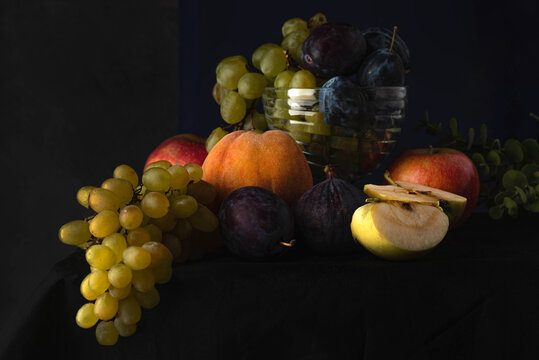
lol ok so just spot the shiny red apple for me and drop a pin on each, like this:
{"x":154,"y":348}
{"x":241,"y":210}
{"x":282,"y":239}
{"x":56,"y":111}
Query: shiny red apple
{"x":442,"y":168}
{"x":180,"y":149}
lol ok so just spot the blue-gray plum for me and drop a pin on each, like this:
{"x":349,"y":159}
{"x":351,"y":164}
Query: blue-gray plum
{"x":380,"y":38}
{"x":344,"y":103}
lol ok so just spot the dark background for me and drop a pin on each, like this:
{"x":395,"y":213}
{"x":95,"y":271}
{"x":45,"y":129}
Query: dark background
{"x":88,"y":85}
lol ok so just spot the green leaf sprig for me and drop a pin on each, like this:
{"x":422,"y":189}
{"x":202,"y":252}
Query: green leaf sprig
{"x":509,"y":172}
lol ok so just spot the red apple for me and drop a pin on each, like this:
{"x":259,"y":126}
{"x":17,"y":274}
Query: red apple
{"x":180,"y":149}
{"x":442,"y":168}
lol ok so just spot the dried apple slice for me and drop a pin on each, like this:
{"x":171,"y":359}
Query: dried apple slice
{"x":452,"y":204}
{"x":396,"y":230}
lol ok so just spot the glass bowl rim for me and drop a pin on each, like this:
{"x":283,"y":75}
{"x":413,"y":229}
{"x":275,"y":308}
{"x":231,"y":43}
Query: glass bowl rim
{"x":323,"y":88}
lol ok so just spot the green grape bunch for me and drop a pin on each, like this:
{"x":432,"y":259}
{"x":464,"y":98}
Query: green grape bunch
{"x":509,"y":170}
{"x":240,"y":82}
{"x":133,"y":238}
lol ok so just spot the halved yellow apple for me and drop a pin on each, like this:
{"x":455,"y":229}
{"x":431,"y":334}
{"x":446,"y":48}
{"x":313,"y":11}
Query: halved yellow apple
{"x":398,"y":230}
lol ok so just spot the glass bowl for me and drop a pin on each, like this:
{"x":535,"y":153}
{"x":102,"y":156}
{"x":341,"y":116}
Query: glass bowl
{"x":352,"y":129}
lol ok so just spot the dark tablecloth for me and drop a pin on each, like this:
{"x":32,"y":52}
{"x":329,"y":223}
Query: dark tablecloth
{"x":476,"y":296}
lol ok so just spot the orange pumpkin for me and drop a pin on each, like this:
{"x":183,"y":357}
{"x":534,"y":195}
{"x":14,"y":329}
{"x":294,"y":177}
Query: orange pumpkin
{"x":271,"y":160}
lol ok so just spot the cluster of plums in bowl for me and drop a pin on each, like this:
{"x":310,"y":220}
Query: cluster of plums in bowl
{"x":354,"y":117}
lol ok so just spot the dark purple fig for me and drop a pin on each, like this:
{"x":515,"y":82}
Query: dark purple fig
{"x":255,"y":222}
{"x":323,"y":214}
{"x":333,"y":49}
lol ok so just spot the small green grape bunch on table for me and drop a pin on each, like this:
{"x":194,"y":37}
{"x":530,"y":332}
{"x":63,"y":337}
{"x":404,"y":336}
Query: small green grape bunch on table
{"x":132,"y":240}
{"x":240,"y":83}
{"x":509,"y":170}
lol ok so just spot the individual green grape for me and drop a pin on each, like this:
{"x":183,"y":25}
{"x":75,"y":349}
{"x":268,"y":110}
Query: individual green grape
{"x":75,"y":232}
{"x":531,"y":147}
{"x":283,"y":79}
{"x":183,"y":229}
{"x":154,"y":204}
{"x":120,"y":275}
{"x":117,"y":243}
{"x":258,"y":54}
{"x":101,"y":257}
{"x":138,"y":236}
{"x":156,"y":179}
{"x":179,"y":177}
{"x":148,"y":299}
{"x":126,"y":172}
{"x":204,"y":219}
{"x":317,"y":20}
{"x":173,"y":244}
{"x":160,"y":254}
{"x":273,"y":62}
{"x":106,"y":333}
{"x":156,"y":234}
{"x":303,"y":79}
{"x":124,"y":330}
{"x":511,"y":206}
{"x":251,"y":85}
{"x":86,"y":291}
{"x":202,"y":191}
{"x":165,"y":223}
{"x":498,"y":198}
{"x":513,"y":150}
{"x":131,"y":217}
{"x":103,"y":199}
{"x":512,"y":178}
{"x":82,"y":195}
{"x":162,"y":274}
{"x":121,"y":187}
{"x":493,"y":157}
{"x":215,"y":136}
{"x":98,"y":281}
{"x":137,"y":258}
{"x":293,"y":24}
{"x":163,"y":164}
{"x":233,"y":108}
{"x":104,"y":223}
{"x":521,"y":197}
{"x":229,"y":59}
{"x":218,"y":92}
{"x":120,"y":293}
{"x":143,"y":280}
{"x":293,"y":43}
{"x":86,"y":317}
{"x":184,"y":206}
{"x":229,"y":73}
{"x":106,"y":306}
{"x":195,"y":172}
{"x":129,"y":311}
{"x":318,"y":126}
